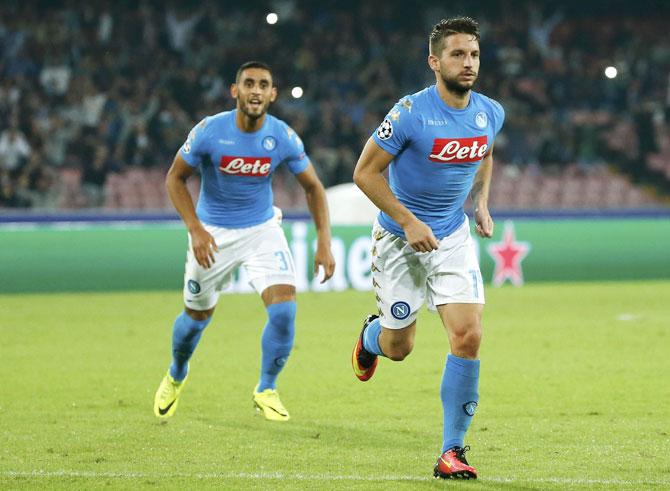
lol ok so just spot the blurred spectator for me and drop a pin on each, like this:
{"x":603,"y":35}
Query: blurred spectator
{"x":94,"y":175}
{"x":14,"y":149}
{"x":93,"y":86}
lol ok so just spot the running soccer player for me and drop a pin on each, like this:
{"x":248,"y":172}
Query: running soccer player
{"x":439,"y":146}
{"x":235,"y":224}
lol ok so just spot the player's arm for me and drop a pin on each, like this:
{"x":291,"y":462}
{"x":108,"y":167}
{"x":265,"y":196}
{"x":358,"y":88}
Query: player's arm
{"x":204,"y":245}
{"x":480,"y":196}
{"x":318,"y":208}
{"x":368,"y":177}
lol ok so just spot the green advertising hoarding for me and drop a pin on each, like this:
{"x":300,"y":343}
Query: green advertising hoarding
{"x":150,"y":257}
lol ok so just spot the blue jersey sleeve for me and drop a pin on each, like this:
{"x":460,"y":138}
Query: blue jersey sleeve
{"x":498,"y":116}
{"x":393,"y":134}
{"x":195,"y":146}
{"x":295,"y":156}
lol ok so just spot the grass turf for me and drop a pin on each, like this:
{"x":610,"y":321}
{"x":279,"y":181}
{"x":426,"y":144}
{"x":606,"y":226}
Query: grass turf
{"x":574,"y":394}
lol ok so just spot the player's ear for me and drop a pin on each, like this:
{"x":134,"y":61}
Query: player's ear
{"x":273,"y":94}
{"x":434,"y":63}
{"x":233,"y":90}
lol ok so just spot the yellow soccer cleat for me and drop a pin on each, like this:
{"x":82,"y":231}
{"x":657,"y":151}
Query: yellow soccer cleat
{"x":167,"y":397}
{"x":268,"y":403}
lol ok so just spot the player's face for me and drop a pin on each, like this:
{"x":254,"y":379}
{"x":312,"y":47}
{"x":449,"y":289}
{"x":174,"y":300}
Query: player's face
{"x":458,"y":64}
{"x":254,"y":92}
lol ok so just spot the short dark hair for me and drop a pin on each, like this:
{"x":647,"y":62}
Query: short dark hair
{"x":251,"y":64}
{"x":449,"y":27}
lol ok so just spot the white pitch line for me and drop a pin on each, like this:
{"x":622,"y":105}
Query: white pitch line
{"x":312,"y":477}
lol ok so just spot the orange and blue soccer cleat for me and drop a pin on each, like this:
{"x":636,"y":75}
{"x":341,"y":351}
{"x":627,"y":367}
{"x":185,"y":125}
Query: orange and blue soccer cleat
{"x":363,"y":362}
{"x":452,"y":465}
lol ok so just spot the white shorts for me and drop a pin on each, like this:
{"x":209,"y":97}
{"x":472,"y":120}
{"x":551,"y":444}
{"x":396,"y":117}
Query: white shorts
{"x":403,"y":278}
{"x":261,"y":250}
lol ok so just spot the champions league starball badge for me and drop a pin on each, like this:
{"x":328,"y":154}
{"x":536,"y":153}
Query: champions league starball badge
{"x":269,"y":143}
{"x":481,"y":120}
{"x":385,"y":130}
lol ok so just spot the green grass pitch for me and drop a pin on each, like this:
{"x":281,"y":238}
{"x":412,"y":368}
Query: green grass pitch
{"x":575,"y":394}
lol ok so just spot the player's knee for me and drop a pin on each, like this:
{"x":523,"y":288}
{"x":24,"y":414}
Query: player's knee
{"x":466,"y":341}
{"x":199,"y":315}
{"x":399,"y":351}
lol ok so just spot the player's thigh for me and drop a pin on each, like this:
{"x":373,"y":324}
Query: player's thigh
{"x":398,"y":279}
{"x":202,"y":286}
{"x":454,"y":275}
{"x":268,"y":261}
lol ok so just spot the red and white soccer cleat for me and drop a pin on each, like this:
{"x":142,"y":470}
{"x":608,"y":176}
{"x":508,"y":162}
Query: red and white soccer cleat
{"x":364,"y":363}
{"x":452,"y":465}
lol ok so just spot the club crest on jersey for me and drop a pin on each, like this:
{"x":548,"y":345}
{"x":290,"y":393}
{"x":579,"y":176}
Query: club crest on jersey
{"x":385,"y":130}
{"x":245,"y":166}
{"x":400,"y":310}
{"x":481,"y":120}
{"x":269,"y":143}
{"x":459,"y":150}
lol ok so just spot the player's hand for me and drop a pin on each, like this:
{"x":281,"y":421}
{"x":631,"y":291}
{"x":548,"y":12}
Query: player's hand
{"x":420,"y":236}
{"x":204,"y":247}
{"x":324,"y":258}
{"x":484,"y":222}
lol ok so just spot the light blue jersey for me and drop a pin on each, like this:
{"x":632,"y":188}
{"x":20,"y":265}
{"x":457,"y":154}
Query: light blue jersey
{"x":437,"y":150}
{"x":236,"y":167}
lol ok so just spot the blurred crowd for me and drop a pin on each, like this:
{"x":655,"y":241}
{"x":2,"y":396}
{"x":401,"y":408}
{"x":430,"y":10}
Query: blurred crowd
{"x":111,"y":85}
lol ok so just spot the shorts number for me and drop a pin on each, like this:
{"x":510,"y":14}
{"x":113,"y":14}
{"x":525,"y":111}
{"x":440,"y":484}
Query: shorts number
{"x":475,"y":282}
{"x":283,"y":261}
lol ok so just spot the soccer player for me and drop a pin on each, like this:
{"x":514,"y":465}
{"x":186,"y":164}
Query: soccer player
{"x":235,"y":224}
{"x":438,"y":145}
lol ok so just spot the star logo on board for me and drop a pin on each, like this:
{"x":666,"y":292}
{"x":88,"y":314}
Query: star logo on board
{"x":508,"y":254}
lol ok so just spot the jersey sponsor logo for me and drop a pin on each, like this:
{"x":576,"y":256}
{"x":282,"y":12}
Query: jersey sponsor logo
{"x":459,"y":150}
{"x":245,"y":166}
{"x":400,"y":310}
{"x":385,"y":130}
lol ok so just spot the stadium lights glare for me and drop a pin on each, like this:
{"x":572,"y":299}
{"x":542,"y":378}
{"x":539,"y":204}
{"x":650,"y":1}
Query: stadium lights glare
{"x":296,"y":92}
{"x":272,"y":18}
{"x":611,"y":72}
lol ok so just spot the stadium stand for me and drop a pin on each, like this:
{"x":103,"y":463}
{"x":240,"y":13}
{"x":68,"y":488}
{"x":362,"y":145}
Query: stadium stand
{"x":95,"y":98}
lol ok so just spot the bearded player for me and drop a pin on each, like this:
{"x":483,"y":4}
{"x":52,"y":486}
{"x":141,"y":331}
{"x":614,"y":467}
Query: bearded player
{"x":438,"y":145}
{"x":235,"y":225}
